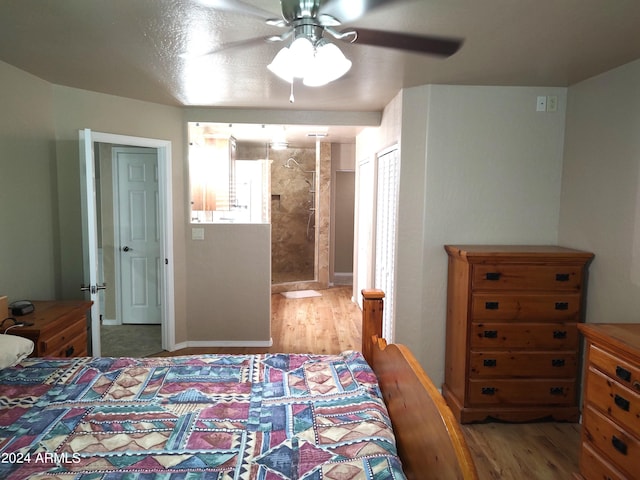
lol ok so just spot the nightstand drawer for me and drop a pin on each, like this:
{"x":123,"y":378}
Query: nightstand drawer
{"x":620,"y":403}
{"x":527,"y":277}
{"x":61,"y":340}
{"x":525,"y":308}
{"x":77,"y":347}
{"x":622,"y":448}
{"x":539,"y":336}
{"x":522,"y":392}
{"x":623,"y":372}
{"x":523,"y":364}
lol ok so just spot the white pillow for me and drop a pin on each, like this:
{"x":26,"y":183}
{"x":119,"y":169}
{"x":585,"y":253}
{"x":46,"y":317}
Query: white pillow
{"x":13,"y":349}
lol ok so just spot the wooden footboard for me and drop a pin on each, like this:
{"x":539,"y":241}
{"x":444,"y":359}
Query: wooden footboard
{"x":429,"y":439}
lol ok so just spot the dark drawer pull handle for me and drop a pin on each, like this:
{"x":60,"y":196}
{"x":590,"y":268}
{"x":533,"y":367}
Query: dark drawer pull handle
{"x":490,"y":334}
{"x":562,"y":277}
{"x":488,"y":390}
{"x":622,"y":402}
{"x":559,"y":334}
{"x":493,"y":276}
{"x":636,"y":385}
{"x":556,"y":390}
{"x":623,"y":373}
{"x":619,"y":445}
{"x":491,"y":305}
{"x":490,"y":362}
{"x":69,"y":351}
{"x":557,"y":362}
{"x":562,"y":305}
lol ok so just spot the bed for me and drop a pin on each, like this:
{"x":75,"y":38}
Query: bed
{"x":359,"y":415}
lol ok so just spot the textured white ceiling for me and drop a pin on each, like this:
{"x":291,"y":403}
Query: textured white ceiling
{"x":148,"y":49}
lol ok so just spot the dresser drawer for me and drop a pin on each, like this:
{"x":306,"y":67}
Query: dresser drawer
{"x":560,"y":364}
{"x":527,"y":277}
{"x":594,"y":467}
{"x":526,"y":308}
{"x":623,"y":372}
{"x":538,"y":336}
{"x":522,"y":392}
{"x":53,"y":344}
{"x":77,"y":347}
{"x":620,"y":447}
{"x":619,"y":402}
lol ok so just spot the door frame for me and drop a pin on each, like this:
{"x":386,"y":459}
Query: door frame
{"x":116,"y":186}
{"x":163,"y":148}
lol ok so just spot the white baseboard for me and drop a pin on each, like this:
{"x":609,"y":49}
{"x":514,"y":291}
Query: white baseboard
{"x":110,"y":321}
{"x":223,"y":344}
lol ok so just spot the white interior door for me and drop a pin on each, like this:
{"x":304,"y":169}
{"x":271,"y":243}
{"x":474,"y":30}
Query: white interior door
{"x":364,"y":248}
{"x":388,"y":177}
{"x":138,"y":235}
{"x":90,"y":234}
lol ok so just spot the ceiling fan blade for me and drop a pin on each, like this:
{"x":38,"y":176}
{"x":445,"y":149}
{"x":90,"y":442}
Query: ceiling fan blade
{"x":427,"y":44}
{"x":238,"y":6}
{"x":349,"y":10}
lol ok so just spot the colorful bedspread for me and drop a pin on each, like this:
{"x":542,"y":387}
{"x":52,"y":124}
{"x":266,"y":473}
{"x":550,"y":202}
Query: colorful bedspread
{"x":262,"y":417}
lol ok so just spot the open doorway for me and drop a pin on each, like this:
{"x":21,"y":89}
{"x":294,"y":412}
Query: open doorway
{"x":129,"y":249}
{"x":132,"y":246}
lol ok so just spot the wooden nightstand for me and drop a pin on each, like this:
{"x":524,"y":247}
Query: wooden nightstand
{"x":59,"y":328}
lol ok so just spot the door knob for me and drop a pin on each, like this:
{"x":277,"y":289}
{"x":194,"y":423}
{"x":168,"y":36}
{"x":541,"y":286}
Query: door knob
{"x":127,"y":249}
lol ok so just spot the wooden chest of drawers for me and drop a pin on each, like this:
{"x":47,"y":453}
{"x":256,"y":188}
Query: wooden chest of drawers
{"x":512,"y":349}
{"x":59,"y":328}
{"x":611,"y":415}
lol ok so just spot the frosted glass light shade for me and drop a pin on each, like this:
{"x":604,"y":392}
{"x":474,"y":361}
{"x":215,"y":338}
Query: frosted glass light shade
{"x":329,"y":65}
{"x":317,"y":65}
{"x":281,"y":65}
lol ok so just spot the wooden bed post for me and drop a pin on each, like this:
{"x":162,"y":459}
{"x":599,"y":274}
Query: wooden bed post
{"x":372,"y":305}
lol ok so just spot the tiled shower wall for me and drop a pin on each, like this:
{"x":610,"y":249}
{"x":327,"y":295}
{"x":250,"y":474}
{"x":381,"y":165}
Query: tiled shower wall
{"x":293,"y":219}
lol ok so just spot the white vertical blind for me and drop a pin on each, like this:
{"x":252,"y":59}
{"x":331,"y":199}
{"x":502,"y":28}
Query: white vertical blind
{"x":388,"y":173}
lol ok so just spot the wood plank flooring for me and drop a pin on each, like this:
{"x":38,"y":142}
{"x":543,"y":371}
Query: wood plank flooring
{"x":332,"y":323}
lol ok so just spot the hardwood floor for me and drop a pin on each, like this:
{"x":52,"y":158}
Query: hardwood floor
{"x":543,"y":451}
{"x":332,"y":323}
{"x":328,"y":324}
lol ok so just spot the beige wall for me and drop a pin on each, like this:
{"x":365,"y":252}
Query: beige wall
{"x":478,"y":165}
{"x":229,"y":294}
{"x":28,"y":226}
{"x":600,"y":208}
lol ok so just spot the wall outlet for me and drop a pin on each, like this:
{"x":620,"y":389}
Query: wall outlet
{"x":541,"y":104}
{"x":552,"y":103}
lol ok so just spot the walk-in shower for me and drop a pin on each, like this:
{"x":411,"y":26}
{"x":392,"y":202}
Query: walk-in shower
{"x":292,"y":163}
{"x":293,"y":215}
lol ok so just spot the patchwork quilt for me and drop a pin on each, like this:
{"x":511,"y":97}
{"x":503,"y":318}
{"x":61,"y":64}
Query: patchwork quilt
{"x":244,"y":417}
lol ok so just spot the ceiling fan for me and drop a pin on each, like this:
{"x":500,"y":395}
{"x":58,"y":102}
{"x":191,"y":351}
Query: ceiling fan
{"x":311,"y":23}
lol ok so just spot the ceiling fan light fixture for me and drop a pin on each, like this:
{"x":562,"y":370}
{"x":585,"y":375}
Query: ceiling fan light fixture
{"x":329,"y":65}
{"x":316,"y":64}
{"x":281,"y":65}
